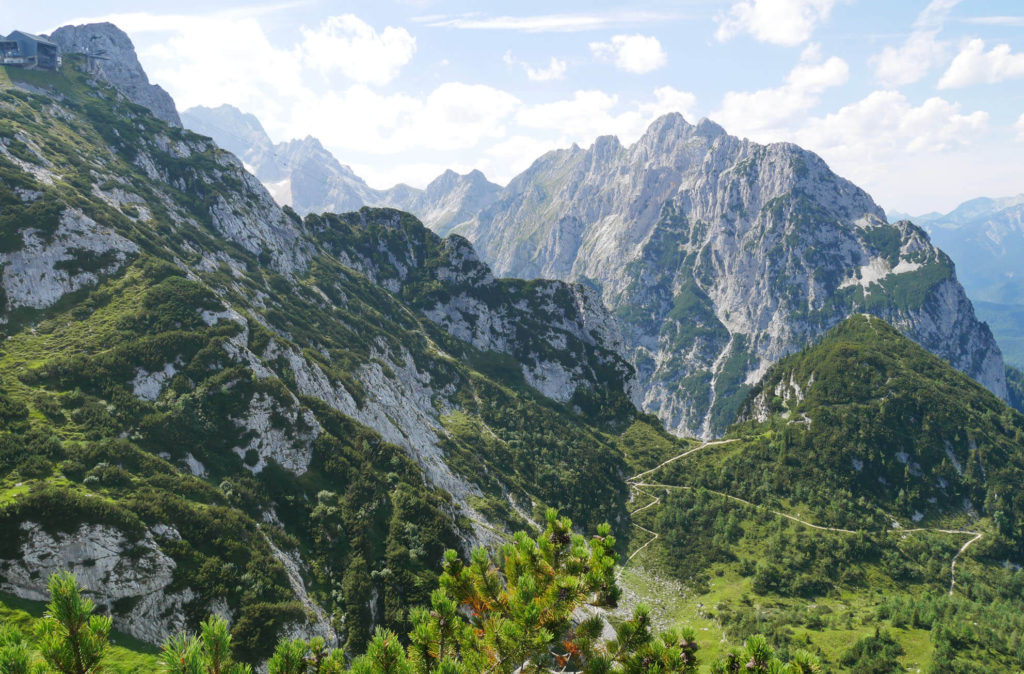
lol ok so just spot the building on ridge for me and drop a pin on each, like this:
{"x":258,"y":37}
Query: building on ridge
{"x":25,"y":50}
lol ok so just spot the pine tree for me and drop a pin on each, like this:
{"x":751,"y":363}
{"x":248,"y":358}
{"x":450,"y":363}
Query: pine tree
{"x":207,"y":653}
{"x":71,"y":639}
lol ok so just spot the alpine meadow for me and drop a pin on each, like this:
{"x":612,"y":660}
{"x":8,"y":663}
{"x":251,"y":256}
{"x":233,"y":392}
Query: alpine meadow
{"x":621,"y":389}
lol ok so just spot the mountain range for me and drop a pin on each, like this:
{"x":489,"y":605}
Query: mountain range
{"x":717,"y":255}
{"x":304,"y":175}
{"x":213,"y":404}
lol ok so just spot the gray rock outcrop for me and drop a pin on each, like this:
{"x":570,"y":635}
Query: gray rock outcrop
{"x":111,"y":56}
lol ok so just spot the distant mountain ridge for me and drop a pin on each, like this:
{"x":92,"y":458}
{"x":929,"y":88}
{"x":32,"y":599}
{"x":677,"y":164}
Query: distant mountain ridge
{"x":717,"y":255}
{"x":303,"y":174}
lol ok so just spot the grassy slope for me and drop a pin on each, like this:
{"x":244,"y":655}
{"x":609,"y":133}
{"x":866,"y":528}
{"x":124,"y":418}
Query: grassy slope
{"x":732,"y":569}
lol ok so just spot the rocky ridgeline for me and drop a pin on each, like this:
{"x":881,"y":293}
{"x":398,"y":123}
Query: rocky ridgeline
{"x":719,"y":255}
{"x":304,"y":175}
{"x":111,"y":56}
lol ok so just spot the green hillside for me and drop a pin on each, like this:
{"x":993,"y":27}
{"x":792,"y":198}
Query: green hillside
{"x":204,"y":382}
{"x":870,"y":486}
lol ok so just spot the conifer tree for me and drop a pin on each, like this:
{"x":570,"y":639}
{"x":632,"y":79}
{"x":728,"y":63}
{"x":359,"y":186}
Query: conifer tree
{"x":209,"y":652}
{"x":71,"y":639}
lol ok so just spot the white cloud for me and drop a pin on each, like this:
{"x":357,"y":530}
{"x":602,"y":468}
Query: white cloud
{"x":454,"y":116}
{"x":593,"y":113}
{"x":783,"y":22}
{"x":907,"y":64}
{"x":506,"y":159}
{"x":544,"y":23}
{"x":348,"y":44}
{"x":892,"y":148}
{"x":555,"y":70}
{"x":669,"y":99}
{"x":896,"y":66}
{"x":181,"y":63}
{"x":973,"y":65}
{"x":1020,"y":128}
{"x":632,"y":53}
{"x":885,"y":124}
{"x":766,"y":114}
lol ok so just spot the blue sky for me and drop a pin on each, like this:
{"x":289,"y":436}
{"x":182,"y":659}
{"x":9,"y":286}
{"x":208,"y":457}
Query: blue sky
{"x":921,"y":103}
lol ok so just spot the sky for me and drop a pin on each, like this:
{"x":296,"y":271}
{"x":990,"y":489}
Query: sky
{"x":919,"y":102}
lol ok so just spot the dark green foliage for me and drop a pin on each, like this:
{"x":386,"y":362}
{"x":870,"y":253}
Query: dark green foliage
{"x":878,"y":654}
{"x":71,"y":639}
{"x":891,"y":425}
{"x":1015,"y":387}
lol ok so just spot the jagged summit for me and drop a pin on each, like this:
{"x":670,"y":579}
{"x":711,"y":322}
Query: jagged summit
{"x":720,"y":255}
{"x":113,"y":58}
{"x":303,"y":174}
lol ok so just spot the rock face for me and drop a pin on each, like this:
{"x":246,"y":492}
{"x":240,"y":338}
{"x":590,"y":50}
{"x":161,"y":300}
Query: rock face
{"x":111,"y":56}
{"x":448,"y":200}
{"x":110,"y":567}
{"x":566,"y":342}
{"x":719,"y":255}
{"x":304,"y":175}
{"x":50,"y":265}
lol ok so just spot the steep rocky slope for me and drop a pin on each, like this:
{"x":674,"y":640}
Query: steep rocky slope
{"x":985,"y":238}
{"x":304,"y":175}
{"x":719,"y":256}
{"x":209,"y":404}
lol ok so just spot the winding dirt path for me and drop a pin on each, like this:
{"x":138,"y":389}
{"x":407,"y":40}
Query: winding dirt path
{"x":636,"y":485}
{"x":677,"y":457}
{"x":952,"y":567}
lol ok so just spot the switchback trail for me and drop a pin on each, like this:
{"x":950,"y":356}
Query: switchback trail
{"x":636,"y":485}
{"x":677,"y":457}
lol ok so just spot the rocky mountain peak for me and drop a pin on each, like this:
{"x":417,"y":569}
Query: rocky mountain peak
{"x":720,"y":255}
{"x":708,"y":129}
{"x":113,"y":58}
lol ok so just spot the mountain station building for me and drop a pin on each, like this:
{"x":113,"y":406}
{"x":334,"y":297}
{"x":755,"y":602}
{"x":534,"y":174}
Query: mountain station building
{"x":25,"y":50}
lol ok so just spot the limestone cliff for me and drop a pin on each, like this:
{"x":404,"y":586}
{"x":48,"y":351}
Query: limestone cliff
{"x":719,"y":255}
